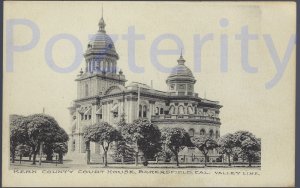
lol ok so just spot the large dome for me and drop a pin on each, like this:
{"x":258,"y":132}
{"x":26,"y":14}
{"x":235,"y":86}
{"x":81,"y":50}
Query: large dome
{"x":101,"y":43}
{"x":181,"y":72}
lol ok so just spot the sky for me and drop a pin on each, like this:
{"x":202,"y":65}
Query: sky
{"x":247,"y":103}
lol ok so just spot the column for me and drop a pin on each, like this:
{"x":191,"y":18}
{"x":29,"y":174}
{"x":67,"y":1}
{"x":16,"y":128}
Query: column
{"x":94,"y":65}
{"x":105,"y":66}
{"x":150,"y":110}
{"x":186,"y":89}
{"x":115,"y":67}
{"x":94,"y":117}
{"x":109,"y":67}
{"x":130,"y":111}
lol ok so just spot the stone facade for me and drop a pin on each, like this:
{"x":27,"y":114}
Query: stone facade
{"x":103,"y":96}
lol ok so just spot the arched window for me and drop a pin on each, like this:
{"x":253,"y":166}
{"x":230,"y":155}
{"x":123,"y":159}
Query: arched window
{"x":86,"y":90}
{"x":205,"y":112}
{"x":202,"y":132}
{"x":156,"y":111}
{"x":161,"y":111}
{"x":145,"y":111}
{"x":191,"y":132}
{"x":172,"y":110}
{"x":140,"y":111}
{"x":180,"y":110}
{"x":211,"y":133}
{"x":190,"y":110}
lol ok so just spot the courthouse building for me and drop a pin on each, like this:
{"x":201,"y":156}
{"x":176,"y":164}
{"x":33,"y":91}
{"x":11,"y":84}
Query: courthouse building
{"x":103,"y":95}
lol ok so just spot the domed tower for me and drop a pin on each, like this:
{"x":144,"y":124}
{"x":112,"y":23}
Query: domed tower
{"x":100,"y":65}
{"x":181,"y":81}
{"x":101,"y":55}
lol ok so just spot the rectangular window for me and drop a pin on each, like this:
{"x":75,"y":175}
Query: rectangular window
{"x":85,"y":117}
{"x":90,"y":116}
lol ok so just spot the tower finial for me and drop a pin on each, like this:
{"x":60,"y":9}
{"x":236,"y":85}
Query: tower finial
{"x":181,"y":59}
{"x":181,"y":52}
{"x":101,"y":22}
{"x":102,"y":11}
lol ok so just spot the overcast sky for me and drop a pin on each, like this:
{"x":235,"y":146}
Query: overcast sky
{"x":247,"y":104}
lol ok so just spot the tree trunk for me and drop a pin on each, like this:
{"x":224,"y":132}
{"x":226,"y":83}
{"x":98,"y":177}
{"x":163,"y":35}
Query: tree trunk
{"x":40,"y":153}
{"x":30,"y":156}
{"x":88,"y":156}
{"x":122,"y":159}
{"x":13,"y":155}
{"x":49,"y":157}
{"x":34,"y":158}
{"x":229,"y":163}
{"x":177,"y":160}
{"x":105,"y":158}
{"x":249,"y":159}
{"x":205,"y":159}
{"x":60,"y":157}
{"x":136,"y":158}
{"x":145,"y":163}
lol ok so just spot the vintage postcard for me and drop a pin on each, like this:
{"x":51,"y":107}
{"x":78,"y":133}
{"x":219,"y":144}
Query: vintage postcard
{"x":140,"y":94}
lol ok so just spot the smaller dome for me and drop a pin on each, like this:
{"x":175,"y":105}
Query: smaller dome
{"x":181,"y":72}
{"x":101,"y":41}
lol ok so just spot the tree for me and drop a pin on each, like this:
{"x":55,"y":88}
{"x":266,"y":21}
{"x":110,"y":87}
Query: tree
{"x":176,"y":139}
{"x":41,"y":129}
{"x":24,"y":151}
{"x":102,"y":133}
{"x":143,"y":136}
{"x":250,"y":146}
{"x":59,"y":142}
{"x":123,"y":152}
{"x":60,"y":148}
{"x":17,"y":134}
{"x":165,"y":155}
{"x":204,"y":144}
{"x":226,"y":146}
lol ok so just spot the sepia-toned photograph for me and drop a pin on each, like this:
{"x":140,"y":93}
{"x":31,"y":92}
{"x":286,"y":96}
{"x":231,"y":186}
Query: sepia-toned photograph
{"x":149,"y":94}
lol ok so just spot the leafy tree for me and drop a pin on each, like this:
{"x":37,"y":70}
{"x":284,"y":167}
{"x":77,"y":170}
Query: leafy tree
{"x":249,"y":145}
{"x":123,"y":152}
{"x":226,"y":146}
{"x":143,"y":136}
{"x":48,"y":150}
{"x":24,"y":151}
{"x":176,"y":139}
{"x":102,"y":133}
{"x":60,"y":139}
{"x":165,"y":155}
{"x":61,"y":148}
{"x":17,"y":134}
{"x":41,"y":129}
{"x":122,"y":122}
{"x":204,"y":144}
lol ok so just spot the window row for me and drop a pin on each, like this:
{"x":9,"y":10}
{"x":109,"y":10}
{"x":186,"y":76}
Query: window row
{"x":203,"y":132}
